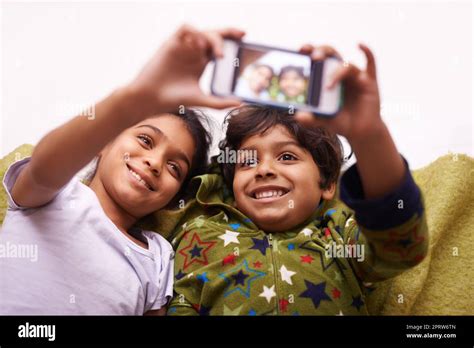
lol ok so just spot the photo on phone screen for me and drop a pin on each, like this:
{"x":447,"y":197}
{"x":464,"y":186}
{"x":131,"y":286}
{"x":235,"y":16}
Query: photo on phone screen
{"x":272,"y":76}
{"x":276,"y":77}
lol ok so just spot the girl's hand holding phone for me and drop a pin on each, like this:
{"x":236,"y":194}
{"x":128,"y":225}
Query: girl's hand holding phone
{"x":171,"y":78}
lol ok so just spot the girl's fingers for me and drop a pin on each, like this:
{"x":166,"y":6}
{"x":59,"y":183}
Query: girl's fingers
{"x":371,"y":70}
{"x":344,"y":72}
{"x":217,"y":102}
{"x":216,"y":39}
{"x":231,"y":33}
{"x":328,"y":51}
{"x":216,"y":43}
{"x":306,"y":49}
{"x":319,"y":52}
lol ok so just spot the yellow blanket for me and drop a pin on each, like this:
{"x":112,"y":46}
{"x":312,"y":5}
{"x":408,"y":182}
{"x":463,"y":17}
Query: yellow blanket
{"x":443,"y":283}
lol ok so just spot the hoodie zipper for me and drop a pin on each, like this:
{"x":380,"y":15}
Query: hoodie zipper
{"x":272,"y":256}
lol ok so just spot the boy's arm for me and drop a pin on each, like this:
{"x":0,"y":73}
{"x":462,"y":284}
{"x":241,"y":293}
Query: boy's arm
{"x":379,"y":188}
{"x":170,"y":79}
{"x":391,"y":230}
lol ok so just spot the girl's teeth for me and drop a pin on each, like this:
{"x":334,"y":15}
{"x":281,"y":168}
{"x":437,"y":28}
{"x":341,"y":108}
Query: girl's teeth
{"x":138,"y":177}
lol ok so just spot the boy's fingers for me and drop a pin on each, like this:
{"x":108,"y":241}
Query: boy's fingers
{"x":371,"y":68}
{"x":307,"y":119}
{"x":346,"y":71}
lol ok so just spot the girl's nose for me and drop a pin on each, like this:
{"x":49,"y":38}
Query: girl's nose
{"x":154,"y":165}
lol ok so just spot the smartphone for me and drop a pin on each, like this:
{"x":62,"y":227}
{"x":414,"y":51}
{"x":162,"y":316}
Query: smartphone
{"x":277,"y":77}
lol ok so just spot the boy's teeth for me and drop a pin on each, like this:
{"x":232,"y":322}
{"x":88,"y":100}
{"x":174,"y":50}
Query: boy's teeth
{"x":139,"y":178}
{"x":267,"y":194}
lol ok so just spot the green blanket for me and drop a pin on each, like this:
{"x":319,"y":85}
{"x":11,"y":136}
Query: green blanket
{"x":441,"y":285}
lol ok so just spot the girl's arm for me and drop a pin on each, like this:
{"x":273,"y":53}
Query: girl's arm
{"x":65,"y":150}
{"x":175,"y":68}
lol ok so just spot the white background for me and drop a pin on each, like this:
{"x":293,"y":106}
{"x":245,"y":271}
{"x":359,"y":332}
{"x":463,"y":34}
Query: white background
{"x":58,"y":56}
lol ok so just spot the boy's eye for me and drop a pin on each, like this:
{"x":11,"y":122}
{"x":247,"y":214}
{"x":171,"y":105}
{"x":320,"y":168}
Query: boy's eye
{"x":145,"y":139}
{"x":248,"y":162}
{"x":288,"y":157}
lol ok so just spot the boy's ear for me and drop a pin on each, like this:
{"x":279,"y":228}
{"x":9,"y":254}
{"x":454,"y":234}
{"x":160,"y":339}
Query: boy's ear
{"x":328,"y":193}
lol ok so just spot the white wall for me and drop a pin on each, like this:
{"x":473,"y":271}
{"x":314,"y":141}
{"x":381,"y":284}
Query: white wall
{"x":56,"y":56}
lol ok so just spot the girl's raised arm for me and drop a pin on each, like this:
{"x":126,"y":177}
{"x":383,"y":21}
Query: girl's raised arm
{"x":168,"y":81}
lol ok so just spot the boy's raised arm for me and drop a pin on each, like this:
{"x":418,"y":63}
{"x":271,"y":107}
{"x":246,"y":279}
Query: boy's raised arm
{"x":380,"y":166}
{"x":170,"y":79}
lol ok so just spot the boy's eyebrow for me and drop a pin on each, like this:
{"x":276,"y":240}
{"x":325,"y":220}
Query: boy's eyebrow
{"x":277,"y":144}
{"x":181,"y":154}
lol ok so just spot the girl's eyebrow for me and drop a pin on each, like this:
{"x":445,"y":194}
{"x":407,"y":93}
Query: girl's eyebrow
{"x":181,"y":154}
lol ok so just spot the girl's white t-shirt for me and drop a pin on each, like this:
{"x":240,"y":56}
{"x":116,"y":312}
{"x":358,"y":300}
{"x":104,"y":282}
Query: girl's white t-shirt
{"x":67,"y":257}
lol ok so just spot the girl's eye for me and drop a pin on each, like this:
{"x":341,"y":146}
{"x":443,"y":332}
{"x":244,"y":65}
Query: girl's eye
{"x":176,"y":169}
{"x":145,"y":139}
{"x":288,"y":157}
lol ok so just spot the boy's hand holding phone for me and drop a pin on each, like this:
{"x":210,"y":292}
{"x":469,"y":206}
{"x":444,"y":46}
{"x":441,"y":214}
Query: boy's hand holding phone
{"x":360,"y":114}
{"x":380,"y":166}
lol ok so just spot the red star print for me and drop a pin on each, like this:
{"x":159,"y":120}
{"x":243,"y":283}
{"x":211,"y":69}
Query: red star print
{"x":336,"y":293}
{"x":202,"y":259}
{"x":228,"y":259}
{"x":257,"y":264}
{"x":327,"y":232}
{"x":196,"y":306}
{"x":307,"y":259}
{"x":283,"y":304}
{"x":418,"y":258}
{"x":395,"y":237}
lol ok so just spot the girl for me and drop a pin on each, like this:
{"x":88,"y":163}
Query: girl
{"x":90,"y":258}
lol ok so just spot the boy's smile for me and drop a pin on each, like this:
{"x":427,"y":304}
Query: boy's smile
{"x":280,"y":188}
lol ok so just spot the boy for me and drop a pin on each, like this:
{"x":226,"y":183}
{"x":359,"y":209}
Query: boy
{"x":282,"y":245}
{"x":292,"y":84}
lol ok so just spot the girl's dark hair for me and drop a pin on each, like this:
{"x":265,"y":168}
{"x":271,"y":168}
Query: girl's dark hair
{"x":260,"y":65}
{"x":195,"y":120}
{"x":242,"y":122}
{"x":297,"y":69}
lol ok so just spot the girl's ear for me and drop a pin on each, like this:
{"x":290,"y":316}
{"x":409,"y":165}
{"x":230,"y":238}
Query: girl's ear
{"x":328,"y":193}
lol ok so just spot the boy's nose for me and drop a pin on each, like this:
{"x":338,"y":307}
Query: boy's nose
{"x":265,"y":169}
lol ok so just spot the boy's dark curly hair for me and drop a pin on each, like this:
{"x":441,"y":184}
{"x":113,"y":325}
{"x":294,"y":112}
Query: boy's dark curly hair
{"x":242,"y":122}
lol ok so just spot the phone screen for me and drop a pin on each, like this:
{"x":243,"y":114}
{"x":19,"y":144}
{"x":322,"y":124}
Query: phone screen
{"x":272,"y":76}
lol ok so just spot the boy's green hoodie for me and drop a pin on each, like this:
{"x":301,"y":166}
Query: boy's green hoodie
{"x":226,"y":265}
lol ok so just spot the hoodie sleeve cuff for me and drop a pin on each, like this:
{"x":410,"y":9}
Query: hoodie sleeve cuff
{"x":389,"y":211}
